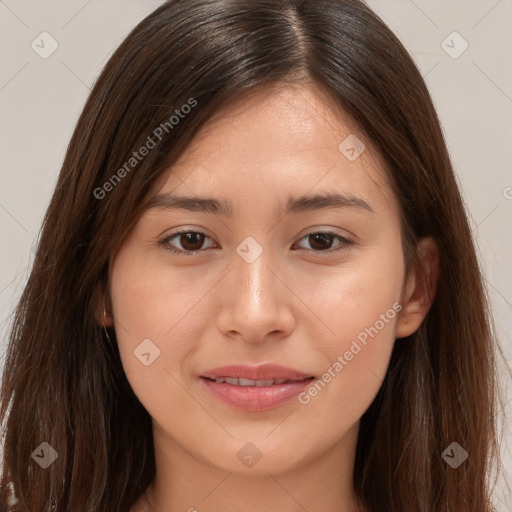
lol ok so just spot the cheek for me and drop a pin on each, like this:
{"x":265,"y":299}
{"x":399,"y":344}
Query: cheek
{"x":360,"y":306}
{"x":149,"y":299}
{"x":151,"y":309}
{"x":365,"y":308}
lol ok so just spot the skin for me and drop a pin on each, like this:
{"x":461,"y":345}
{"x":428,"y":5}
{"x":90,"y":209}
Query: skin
{"x":291,"y":306}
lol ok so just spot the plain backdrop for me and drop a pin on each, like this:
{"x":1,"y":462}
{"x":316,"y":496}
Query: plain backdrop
{"x":462,"y":47}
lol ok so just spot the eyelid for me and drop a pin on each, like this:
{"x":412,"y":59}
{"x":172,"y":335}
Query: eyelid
{"x":345,"y":241}
{"x":163,"y":242}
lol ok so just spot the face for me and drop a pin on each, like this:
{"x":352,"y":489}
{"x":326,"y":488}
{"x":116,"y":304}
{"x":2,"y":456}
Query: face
{"x":296,"y":260}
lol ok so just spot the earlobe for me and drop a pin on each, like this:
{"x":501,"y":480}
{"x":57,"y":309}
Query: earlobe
{"x":102,"y":313}
{"x":108,"y":320}
{"x":420,"y":289}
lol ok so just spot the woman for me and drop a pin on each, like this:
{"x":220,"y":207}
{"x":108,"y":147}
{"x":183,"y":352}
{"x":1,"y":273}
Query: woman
{"x":255,"y":287}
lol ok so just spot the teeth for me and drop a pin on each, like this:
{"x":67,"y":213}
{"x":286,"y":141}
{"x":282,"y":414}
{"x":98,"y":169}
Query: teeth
{"x":249,"y":382}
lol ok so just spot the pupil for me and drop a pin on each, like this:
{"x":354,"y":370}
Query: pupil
{"x":191,"y":240}
{"x":323,"y":238}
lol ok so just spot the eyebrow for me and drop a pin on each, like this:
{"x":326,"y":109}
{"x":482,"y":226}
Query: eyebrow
{"x":225,"y":207}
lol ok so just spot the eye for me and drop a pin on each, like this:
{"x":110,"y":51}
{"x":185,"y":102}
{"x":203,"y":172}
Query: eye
{"x":322,"y":241}
{"x":190,"y":241}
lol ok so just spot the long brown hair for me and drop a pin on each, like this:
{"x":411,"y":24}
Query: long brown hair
{"x":63,"y":382}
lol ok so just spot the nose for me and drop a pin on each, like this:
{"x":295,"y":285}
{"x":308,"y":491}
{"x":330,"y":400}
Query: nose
{"x":256,"y":303}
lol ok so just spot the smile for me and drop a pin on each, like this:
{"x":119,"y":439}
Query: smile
{"x":249,"y":382}
{"x":255,"y":395}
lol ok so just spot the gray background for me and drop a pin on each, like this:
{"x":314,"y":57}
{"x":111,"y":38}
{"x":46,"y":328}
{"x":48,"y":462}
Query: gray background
{"x":40,"y":100}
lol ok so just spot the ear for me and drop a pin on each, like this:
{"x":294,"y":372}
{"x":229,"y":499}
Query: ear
{"x":102,"y":307}
{"x":420,"y":288}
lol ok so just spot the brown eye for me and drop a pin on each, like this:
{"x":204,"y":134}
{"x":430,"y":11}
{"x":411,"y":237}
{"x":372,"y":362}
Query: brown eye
{"x":185,"y":242}
{"x":323,"y":242}
{"x":191,"y":241}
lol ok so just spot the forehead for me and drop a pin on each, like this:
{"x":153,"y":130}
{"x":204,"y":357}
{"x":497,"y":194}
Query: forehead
{"x":279,"y":142}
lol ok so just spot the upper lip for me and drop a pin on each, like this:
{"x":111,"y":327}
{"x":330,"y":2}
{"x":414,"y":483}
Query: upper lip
{"x":265,"y":371}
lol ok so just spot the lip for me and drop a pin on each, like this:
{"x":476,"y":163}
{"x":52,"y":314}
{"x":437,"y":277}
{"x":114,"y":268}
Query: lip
{"x":256,"y":398}
{"x":265,"y":371}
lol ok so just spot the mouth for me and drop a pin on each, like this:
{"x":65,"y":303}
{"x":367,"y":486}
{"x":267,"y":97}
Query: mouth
{"x":260,"y":373}
{"x":234,"y":381}
{"x":255,"y":389}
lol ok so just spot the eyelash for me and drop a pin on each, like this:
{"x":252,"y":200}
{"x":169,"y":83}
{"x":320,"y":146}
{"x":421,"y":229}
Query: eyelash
{"x":345,"y":243}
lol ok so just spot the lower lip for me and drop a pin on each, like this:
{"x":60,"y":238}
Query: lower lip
{"x":256,"y":398}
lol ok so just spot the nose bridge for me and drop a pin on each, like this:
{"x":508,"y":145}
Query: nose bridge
{"x":253,"y":282}
{"x":254,"y":304}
